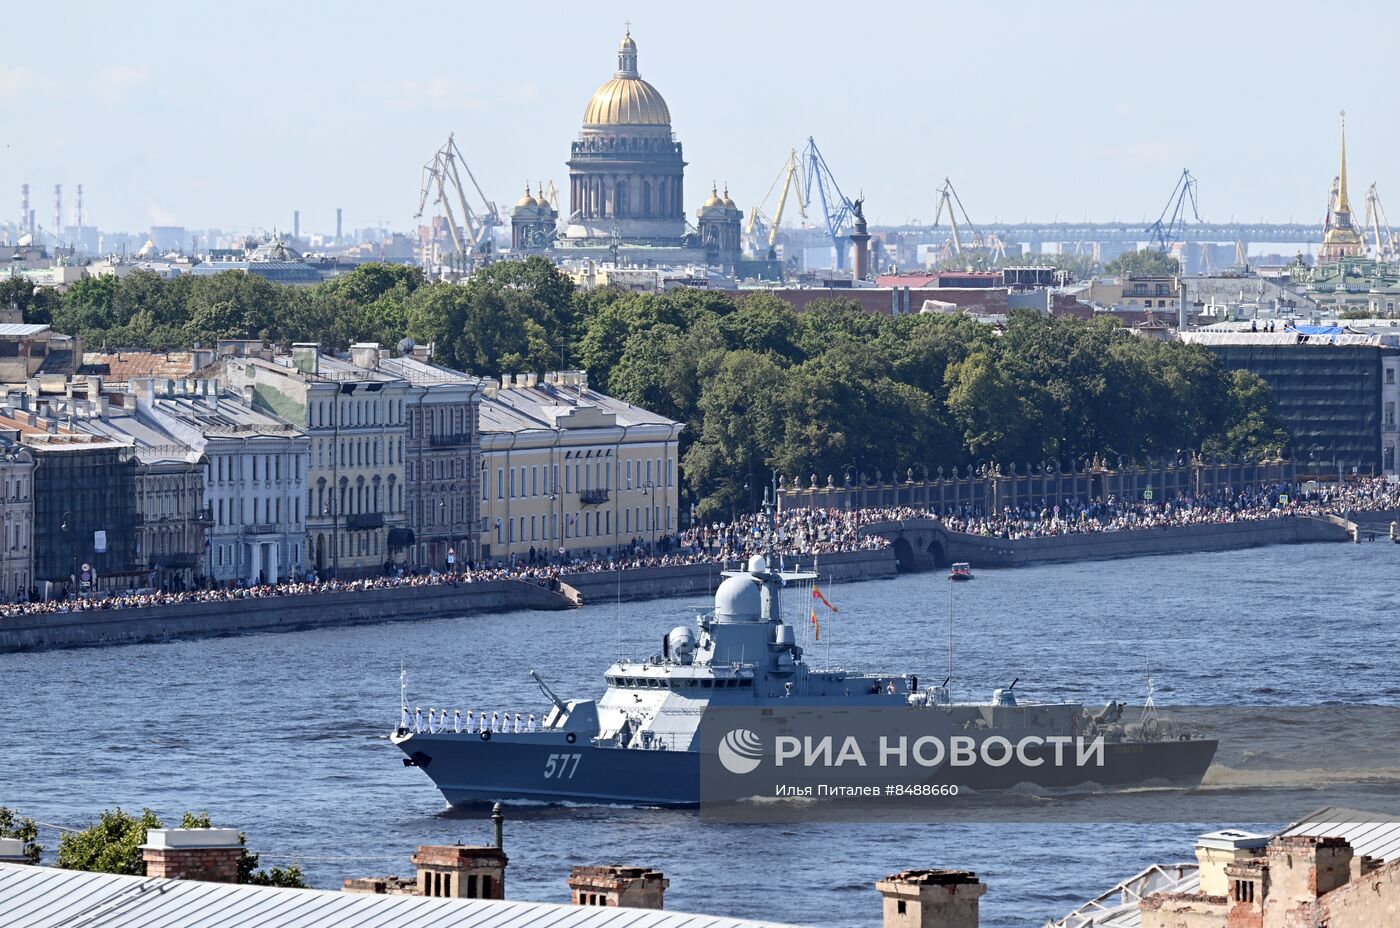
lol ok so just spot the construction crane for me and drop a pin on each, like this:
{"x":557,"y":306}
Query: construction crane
{"x":1378,"y":227}
{"x":443,"y":181}
{"x":990,"y":247}
{"x":1166,"y":232}
{"x":790,"y":181}
{"x":837,"y":209}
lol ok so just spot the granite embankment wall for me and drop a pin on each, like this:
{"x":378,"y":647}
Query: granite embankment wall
{"x":701,"y":579}
{"x":922,"y":544}
{"x":272,"y":613}
{"x":285,"y":613}
{"x":995,"y":552}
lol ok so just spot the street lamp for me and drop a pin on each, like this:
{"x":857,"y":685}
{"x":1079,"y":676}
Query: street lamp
{"x":649,"y":490}
{"x":451,"y":557}
{"x":65,"y":526}
{"x":556,"y":495}
{"x":330,"y":510}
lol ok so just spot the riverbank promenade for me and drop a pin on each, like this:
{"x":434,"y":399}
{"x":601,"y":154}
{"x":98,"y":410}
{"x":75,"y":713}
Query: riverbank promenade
{"x":844,"y":546}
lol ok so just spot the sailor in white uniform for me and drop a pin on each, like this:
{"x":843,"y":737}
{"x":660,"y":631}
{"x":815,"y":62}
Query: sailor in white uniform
{"x":530,"y":725}
{"x":495,"y":721}
{"x":517,"y":723}
{"x":418,"y":718}
{"x":404,"y":720}
{"x":432,"y":721}
{"x":470,"y":722}
{"x":457,"y":720}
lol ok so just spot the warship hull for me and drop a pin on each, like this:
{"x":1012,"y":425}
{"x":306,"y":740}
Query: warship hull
{"x":544,"y":767}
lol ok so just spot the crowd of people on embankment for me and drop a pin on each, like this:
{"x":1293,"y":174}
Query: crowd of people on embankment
{"x":1073,"y":517}
{"x":801,"y":533}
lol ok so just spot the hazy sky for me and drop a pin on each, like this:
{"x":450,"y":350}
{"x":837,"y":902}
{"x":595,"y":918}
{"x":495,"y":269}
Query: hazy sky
{"x":232,"y":115}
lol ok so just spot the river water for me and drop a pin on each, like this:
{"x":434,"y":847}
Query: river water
{"x":284,"y":735}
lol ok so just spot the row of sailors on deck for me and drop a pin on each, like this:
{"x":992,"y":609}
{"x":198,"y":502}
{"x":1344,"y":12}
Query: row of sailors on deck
{"x":438,"y":722}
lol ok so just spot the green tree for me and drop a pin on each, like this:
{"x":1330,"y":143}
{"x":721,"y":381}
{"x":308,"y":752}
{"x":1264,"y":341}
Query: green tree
{"x":1149,"y":262}
{"x":998,"y":420}
{"x":26,"y":829}
{"x":478,"y":328}
{"x":550,"y":290}
{"x":741,"y":419}
{"x":290,"y":877}
{"x":112,"y":845}
{"x":231,"y":305}
{"x":36,"y":304}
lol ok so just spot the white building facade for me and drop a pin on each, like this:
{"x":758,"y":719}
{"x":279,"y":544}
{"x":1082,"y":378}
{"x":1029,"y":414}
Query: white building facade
{"x":255,"y":471}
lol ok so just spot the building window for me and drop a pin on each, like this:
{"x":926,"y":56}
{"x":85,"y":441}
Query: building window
{"x":1390,"y":375}
{"x":1390,"y":414}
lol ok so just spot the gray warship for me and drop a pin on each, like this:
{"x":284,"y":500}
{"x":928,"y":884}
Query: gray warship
{"x":641,"y":743}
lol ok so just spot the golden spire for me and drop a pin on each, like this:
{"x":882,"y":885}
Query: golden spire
{"x":1343,"y":204}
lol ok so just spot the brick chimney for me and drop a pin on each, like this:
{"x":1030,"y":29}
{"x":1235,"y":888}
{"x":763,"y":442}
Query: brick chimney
{"x":457,"y":871}
{"x":627,"y":887}
{"x":1246,"y":888}
{"x":931,"y":899}
{"x":209,"y":854}
{"x":1303,"y":868}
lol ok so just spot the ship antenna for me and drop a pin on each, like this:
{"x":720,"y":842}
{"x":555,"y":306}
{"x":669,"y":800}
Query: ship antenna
{"x":403,"y":686}
{"x":948,"y":683}
{"x":771,"y":510}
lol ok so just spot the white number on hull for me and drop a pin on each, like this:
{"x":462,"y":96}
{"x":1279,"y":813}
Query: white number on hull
{"x":561,"y":766}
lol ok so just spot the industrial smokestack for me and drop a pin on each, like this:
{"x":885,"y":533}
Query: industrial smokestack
{"x":57,"y":211}
{"x":337,"y":225}
{"x":24,"y":209}
{"x":296,"y":225}
{"x":78,"y":210}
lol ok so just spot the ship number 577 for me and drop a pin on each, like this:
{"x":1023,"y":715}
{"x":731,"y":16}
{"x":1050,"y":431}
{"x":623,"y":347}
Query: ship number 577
{"x":561,"y":766}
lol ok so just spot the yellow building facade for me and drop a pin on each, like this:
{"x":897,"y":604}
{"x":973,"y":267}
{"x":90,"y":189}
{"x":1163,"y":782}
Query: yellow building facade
{"x":567,"y":471}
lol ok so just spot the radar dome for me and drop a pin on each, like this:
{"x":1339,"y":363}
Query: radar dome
{"x":758,"y":564}
{"x":738,"y":600}
{"x":681,"y":643}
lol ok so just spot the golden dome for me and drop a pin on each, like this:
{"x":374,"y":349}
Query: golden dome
{"x":728,"y":202}
{"x":627,"y":101}
{"x":714,"y":199}
{"x":526,"y":200}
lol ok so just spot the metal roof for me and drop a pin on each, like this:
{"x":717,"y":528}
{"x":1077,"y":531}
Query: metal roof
{"x":1367,"y":832}
{"x":11,"y":329}
{"x":1117,"y":907}
{"x":46,"y":897}
{"x":1370,"y":833}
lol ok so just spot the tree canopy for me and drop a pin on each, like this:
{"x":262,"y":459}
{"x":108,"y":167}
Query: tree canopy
{"x":762,"y":389}
{"x":1149,"y":262}
{"x":113,"y":845}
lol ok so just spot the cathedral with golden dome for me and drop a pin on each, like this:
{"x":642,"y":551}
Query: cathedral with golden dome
{"x":626,"y":193}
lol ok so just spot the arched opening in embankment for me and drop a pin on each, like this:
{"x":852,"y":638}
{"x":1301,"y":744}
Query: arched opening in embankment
{"x":935,"y":551}
{"x":903,"y":555}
